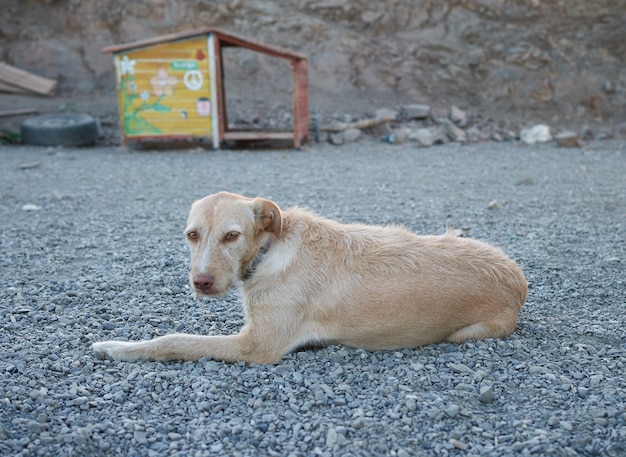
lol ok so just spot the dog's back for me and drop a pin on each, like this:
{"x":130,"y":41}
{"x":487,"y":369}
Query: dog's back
{"x":385,"y":287}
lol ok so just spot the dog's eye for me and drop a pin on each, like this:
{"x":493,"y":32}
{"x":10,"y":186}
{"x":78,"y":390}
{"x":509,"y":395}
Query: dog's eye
{"x":231,"y":236}
{"x":192,"y":236}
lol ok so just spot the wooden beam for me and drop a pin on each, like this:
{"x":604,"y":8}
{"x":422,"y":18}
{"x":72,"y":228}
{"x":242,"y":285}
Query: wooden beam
{"x":12,"y":89}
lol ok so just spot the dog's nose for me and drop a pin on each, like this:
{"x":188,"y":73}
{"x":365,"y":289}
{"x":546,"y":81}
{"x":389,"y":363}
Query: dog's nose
{"x":203,"y":281}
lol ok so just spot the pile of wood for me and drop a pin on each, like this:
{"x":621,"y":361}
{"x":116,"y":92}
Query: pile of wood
{"x":19,"y":81}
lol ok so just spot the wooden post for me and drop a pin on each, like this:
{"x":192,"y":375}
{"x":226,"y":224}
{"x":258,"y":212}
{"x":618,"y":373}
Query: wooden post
{"x":215,"y":118}
{"x":300,"y":101}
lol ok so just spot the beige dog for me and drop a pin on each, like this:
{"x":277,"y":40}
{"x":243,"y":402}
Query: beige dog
{"x":306,"y":280}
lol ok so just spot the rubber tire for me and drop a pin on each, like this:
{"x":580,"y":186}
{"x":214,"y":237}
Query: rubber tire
{"x":60,"y":130}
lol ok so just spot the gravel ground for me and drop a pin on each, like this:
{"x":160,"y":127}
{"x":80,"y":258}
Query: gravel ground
{"x":91,"y":248}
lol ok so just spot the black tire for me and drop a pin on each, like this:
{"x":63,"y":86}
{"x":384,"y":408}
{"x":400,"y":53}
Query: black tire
{"x":60,"y":130}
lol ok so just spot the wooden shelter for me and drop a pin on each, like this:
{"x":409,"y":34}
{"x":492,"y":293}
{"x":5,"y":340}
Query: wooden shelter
{"x":172,"y":87}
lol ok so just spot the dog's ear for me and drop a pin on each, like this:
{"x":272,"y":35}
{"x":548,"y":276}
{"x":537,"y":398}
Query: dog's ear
{"x":267,"y":216}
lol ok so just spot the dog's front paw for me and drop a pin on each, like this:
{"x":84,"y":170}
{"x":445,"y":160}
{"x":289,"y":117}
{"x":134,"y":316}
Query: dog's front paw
{"x":111,"y":350}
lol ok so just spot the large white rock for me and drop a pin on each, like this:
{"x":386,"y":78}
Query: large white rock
{"x":539,"y":133}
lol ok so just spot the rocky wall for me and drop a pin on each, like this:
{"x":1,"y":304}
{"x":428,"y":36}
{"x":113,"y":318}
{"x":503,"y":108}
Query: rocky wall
{"x":560,"y":60}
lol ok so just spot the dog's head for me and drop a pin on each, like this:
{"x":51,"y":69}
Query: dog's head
{"x":225,"y":233}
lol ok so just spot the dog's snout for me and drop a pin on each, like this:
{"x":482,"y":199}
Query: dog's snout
{"x":203,"y":282}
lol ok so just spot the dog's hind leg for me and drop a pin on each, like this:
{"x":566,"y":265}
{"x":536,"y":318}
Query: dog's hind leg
{"x":481,"y":330}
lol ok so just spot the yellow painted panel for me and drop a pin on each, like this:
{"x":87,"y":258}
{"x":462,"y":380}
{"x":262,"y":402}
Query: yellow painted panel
{"x":165,"y":89}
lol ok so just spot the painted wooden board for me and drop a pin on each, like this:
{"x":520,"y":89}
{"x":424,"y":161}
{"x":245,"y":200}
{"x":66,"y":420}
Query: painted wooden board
{"x":165,"y":89}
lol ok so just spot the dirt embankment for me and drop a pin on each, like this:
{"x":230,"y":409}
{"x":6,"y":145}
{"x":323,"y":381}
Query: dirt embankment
{"x":523,"y":60}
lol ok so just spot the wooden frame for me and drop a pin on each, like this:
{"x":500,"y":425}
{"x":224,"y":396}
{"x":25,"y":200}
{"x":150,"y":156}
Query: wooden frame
{"x":218,"y":39}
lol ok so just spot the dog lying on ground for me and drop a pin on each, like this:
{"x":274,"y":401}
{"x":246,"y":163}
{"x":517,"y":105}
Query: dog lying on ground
{"x":307,"y":280}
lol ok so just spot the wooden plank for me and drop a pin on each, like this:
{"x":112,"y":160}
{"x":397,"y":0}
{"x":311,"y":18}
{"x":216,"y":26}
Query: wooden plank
{"x":257,"y":135}
{"x":18,"y":112}
{"x":26,"y":81}
{"x":364,"y":124}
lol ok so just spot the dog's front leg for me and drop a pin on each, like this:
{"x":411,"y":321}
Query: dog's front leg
{"x":231,"y":348}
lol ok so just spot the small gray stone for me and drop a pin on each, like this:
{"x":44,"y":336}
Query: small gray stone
{"x":402,"y":135}
{"x":458,"y":444}
{"x":351,"y":135}
{"x":597,"y":412}
{"x":567,"y":139}
{"x":452,"y":410}
{"x":269,"y":417}
{"x":336,"y":138}
{"x":417,"y":111}
{"x":331,"y":436}
{"x":358,"y":423}
{"x":29,"y":207}
{"x":553,"y":421}
{"x":119,"y":396}
{"x":423,"y":137}
{"x":216,"y":448}
{"x":205,"y":405}
{"x":525,"y":182}
{"x":595,"y":380}
{"x":140,"y":437}
{"x":465,"y":386}
{"x":566,"y":425}
{"x":386,"y":113}
{"x":320,"y":397}
{"x":480,"y":375}
{"x":460,"y":368}
{"x":486,"y":394}
{"x":30,"y":166}
{"x":369,"y":17}
{"x":35,"y":427}
{"x":475,"y":135}
{"x":458,"y":116}
{"x":452,"y":131}
{"x":537,"y":369}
